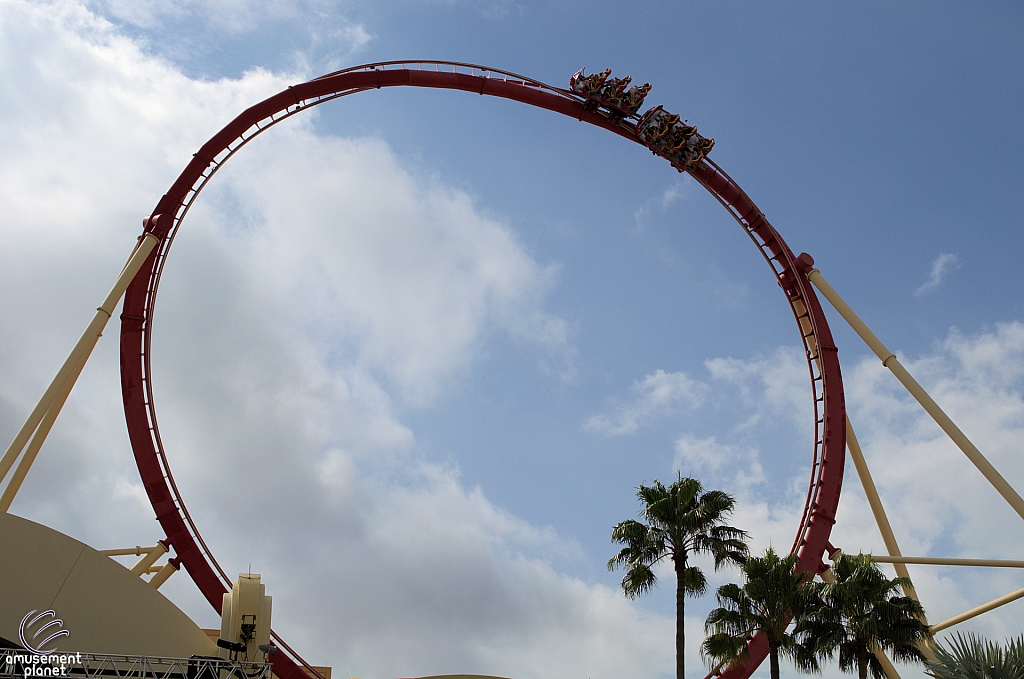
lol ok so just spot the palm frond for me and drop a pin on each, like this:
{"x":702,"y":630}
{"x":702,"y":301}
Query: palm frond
{"x":643,"y":545}
{"x":724,"y":648}
{"x":973,"y":657}
{"x":694,"y":581}
{"x":638,"y":580}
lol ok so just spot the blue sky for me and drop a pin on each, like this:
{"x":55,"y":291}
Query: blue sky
{"x":455,"y":333}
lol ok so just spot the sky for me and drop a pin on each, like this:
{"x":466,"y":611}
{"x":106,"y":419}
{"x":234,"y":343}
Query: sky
{"x":414,"y":351}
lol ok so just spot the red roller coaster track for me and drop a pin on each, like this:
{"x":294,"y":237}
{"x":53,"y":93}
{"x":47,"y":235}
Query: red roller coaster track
{"x":136,"y":326}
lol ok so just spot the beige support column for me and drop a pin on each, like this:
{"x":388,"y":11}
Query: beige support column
{"x":72,"y":367}
{"x":944,"y":561}
{"x":160,"y":578}
{"x":888,"y":537}
{"x":887,"y":666}
{"x":890,"y":361}
{"x":152,"y":554}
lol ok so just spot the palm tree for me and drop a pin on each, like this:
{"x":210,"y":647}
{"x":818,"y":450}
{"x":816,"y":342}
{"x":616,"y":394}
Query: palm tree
{"x":774,"y":592}
{"x":680,"y":520}
{"x":862,"y":612}
{"x":974,"y":657}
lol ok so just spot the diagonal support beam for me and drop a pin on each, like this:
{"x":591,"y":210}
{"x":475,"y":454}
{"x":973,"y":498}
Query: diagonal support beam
{"x":888,"y":537}
{"x":41,"y":432}
{"x":974,"y":612}
{"x":947,"y":425}
{"x":169,"y":569}
{"x":33,"y":433}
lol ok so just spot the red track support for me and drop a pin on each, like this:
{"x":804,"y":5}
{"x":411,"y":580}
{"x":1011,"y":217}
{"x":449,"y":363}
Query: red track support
{"x":137,"y":389}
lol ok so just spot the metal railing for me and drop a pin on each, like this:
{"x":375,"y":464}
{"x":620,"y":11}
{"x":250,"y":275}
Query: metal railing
{"x":25,"y":664}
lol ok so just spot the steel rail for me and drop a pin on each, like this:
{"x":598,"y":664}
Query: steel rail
{"x":139,"y":306}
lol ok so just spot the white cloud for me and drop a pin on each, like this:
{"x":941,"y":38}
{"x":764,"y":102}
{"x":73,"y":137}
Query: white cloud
{"x":656,"y":394}
{"x":313,"y":35}
{"x":708,"y":456}
{"x":235,"y":16}
{"x":402,"y":272}
{"x":702,"y":454}
{"x":354,"y":35}
{"x":442,"y":585}
{"x":774,"y":386}
{"x":680,"y":190}
{"x":942,"y":265}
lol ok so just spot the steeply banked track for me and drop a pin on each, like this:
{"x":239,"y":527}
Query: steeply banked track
{"x":789,"y":270}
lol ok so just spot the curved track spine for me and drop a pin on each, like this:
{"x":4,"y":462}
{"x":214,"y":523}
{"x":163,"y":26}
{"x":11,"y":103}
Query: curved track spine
{"x":139,"y":303}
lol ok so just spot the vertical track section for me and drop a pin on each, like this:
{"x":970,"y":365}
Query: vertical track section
{"x":140,"y":300}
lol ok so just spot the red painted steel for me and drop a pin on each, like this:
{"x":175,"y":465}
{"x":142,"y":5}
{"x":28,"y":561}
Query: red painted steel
{"x":139,"y":302}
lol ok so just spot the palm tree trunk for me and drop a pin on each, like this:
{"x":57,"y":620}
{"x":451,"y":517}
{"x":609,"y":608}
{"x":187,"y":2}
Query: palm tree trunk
{"x":680,"y":620}
{"x":862,"y":662}
{"x":773,"y":659}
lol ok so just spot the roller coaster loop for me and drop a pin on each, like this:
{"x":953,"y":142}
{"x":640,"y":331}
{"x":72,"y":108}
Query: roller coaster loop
{"x":790,"y":272}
